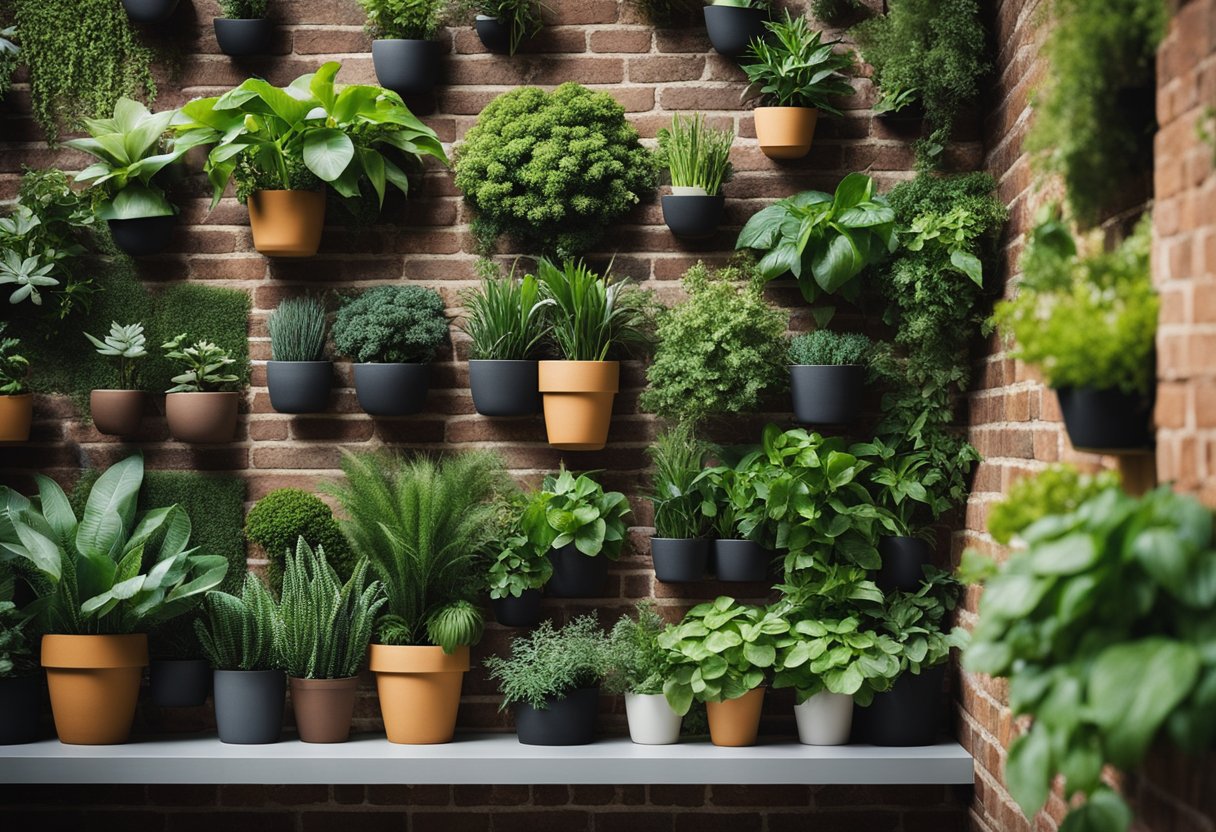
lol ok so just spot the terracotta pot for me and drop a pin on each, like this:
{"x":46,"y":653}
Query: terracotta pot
{"x":323,"y":708}
{"x":94,"y":685}
{"x":419,"y":690}
{"x":16,"y":413}
{"x":785,"y":132}
{"x":117,"y":412}
{"x":202,"y":418}
{"x":287,"y":223}
{"x":736,"y":722}
{"x":578,"y":399}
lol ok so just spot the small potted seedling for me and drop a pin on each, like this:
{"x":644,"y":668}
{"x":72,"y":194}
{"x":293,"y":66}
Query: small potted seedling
{"x":118,"y":412}
{"x":244,"y":29}
{"x":298,"y":375}
{"x":698,"y":157}
{"x":197,"y":408}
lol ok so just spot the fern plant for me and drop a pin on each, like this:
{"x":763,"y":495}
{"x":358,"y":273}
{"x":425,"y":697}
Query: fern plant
{"x":549,"y":663}
{"x":240,"y":633}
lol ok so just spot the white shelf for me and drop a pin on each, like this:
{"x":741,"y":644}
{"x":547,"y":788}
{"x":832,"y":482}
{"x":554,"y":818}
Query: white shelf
{"x":485,"y":758}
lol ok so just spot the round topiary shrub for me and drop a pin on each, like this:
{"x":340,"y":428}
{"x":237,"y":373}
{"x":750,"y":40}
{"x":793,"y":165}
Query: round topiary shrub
{"x":552,"y":170}
{"x":283,"y":516}
{"x":391,"y":324}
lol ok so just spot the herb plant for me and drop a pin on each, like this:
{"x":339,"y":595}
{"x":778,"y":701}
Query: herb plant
{"x":244,"y":9}
{"x":795,"y":68}
{"x":204,"y":362}
{"x":907,"y":484}
{"x":680,"y":483}
{"x":404,"y":19}
{"x":516,"y":563}
{"x":917,"y":622}
{"x":282,"y":517}
{"x":696,"y":155}
{"x":1057,"y":489}
{"x":297,"y":330}
{"x":504,"y":318}
{"x":10,"y":56}
{"x":576,"y":510}
{"x":391,"y":324}
{"x":521,"y":17}
{"x":636,"y":663}
{"x":664,"y":13}
{"x":240,"y":632}
{"x":592,"y":318}
{"x":823,"y":347}
{"x":14,"y":367}
{"x":732,"y":499}
{"x":126,"y":345}
{"x":548,"y":663}
{"x":16,"y":643}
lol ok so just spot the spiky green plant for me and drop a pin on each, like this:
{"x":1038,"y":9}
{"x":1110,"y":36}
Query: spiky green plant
{"x":297,"y":330}
{"x":696,"y":155}
{"x":240,"y":633}
{"x":592,"y":317}
{"x":504,"y":317}
{"x":681,"y":483}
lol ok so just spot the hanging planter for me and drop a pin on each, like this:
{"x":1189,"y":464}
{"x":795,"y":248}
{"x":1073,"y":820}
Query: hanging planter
{"x":698,"y":158}
{"x":494,"y":34}
{"x":202,"y":418}
{"x":20,"y":704}
{"x":324,"y":708}
{"x":576,"y":575}
{"x":16,"y":414}
{"x":392,"y":389}
{"x":505,"y":388}
{"x":149,"y":11}
{"x":406,"y":66}
{"x":142,"y":236}
{"x":299,"y":386}
{"x":298,"y":376}
{"x":692,"y":215}
{"x":825,"y":718}
{"x":179,"y":683}
{"x":741,"y":561}
{"x":578,"y":397}
{"x":903,"y":563}
{"x":94,"y":685}
{"x":287,"y":223}
{"x":909,"y":714}
{"x":785,"y":132}
{"x":419,"y":691}
{"x":680,"y":560}
{"x":1106,"y":421}
{"x":732,"y":28}
{"x":117,"y":412}
{"x":826,"y":394}
{"x":240,"y":38}
{"x":736,"y":722}
{"x":566,"y":721}
{"x":249,"y":705}
{"x":523,"y":610}
{"x":651,"y":719}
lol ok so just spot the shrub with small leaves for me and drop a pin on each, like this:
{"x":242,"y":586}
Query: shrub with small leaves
{"x":244,"y":9}
{"x":285,"y":515}
{"x":636,"y":663}
{"x":240,"y":632}
{"x":404,"y":19}
{"x":16,"y":642}
{"x":825,"y":347}
{"x":549,"y":662}
{"x":391,"y":324}
{"x":1058,"y":489}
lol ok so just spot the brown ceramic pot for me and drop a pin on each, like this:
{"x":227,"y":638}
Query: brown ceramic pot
{"x":419,"y":690}
{"x":323,"y":708}
{"x":117,"y":412}
{"x":94,"y":685}
{"x":16,"y":413}
{"x":202,"y":418}
{"x":578,"y":399}
{"x":785,"y":132}
{"x":287,"y":223}
{"x":736,"y":722}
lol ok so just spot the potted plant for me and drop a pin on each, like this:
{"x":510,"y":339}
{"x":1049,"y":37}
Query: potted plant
{"x":298,"y":375}
{"x":149,"y":11}
{"x":392,"y":333}
{"x":827,"y":376}
{"x":16,"y":401}
{"x":119,"y":412}
{"x":196,"y":408}
{"x":244,"y":29}
{"x":552,"y":677}
{"x":680,"y":546}
{"x":240,"y":637}
{"x":405,"y":53}
{"x":502,"y":25}
{"x":734,"y":24}
{"x":20,"y":681}
{"x":505,"y":322}
{"x":734,"y":556}
{"x":518,"y":567}
{"x":420,"y":524}
{"x":698,"y":158}
{"x":282,"y":144}
{"x":325,"y":626}
{"x":590,"y":318}
{"x":637,"y":667}
{"x":581,"y":526}
{"x":795,"y":75}
{"x":95,"y":604}
{"x":720,"y":654}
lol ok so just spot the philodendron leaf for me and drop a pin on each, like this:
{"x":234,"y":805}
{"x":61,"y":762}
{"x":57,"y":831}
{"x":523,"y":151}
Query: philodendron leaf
{"x":968,"y":264}
{"x":1028,"y":770}
{"x":1105,"y":811}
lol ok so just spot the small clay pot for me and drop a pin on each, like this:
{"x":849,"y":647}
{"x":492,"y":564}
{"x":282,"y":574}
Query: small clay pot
{"x":419,"y":691}
{"x":117,"y":412}
{"x":736,"y":722}
{"x":324,"y":708}
{"x":202,"y":418}
{"x":94,"y":685}
{"x":16,"y":414}
{"x":826,"y":394}
{"x":732,"y":28}
{"x":392,"y":389}
{"x":679,"y":560}
{"x":249,"y":705}
{"x":287,"y":223}
{"x":505,"y":388}
{"x":785,"y":132}
{"x":566,"y":721}
{"x":494,"y":34}
{"x":406,"y":66}
{"x":693,"y":216}
{"x":578,"y":398}
{"x":299,"y":386}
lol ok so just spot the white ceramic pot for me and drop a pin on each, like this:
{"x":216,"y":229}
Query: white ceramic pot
{"x":651,"y":719}
{"x":825,"y":719}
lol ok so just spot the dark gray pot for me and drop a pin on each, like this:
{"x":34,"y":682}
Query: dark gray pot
{"x":909,"y":714}
{"x":179,"y":683}
{"x":243,"y":37}
{"x":505,"y":388}
{"x":903,"y":563}
{"x":523,"y":611}
{"x":407,"y":67}
{"x":143,"y":236}
{"x":826,"y":394}
{"x":149,"y":11}
{"x":249,"y":705}
{"x":299,"y":386}
{"x":678,"y":560}
{"x":731,"y":28}
{"x":569,"y":721}
{"x":693,"y":217}
{"x":575,"y":575}
{"x":20,"y":706}
{"x":495,"y":35}
{"x":392,"y":389}
{"x":741,"y":561}
{"x":1106,"y":420}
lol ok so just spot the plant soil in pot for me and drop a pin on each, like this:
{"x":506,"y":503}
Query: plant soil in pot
{"x":202,"y":418}
{"x":568,"y":721}
{"x":826,"y":394}
{"x":693,"y":216}
{"x":679,"y":560}
{"x":825,"y":718}
{"x":299,"y":386}
{"x":20,"y":704}
{"x":785,"y":132}
{"x":406,"y":66}
{"x":524,"y":611}
{"x":576,"y":575}
{"x":16,"y":414}
{"x":505,"y":388}
{"x":1106,"y":420}
{"x":495,"y":35}
{"x":242,"y":37}
{"x":651,"y":719}
{"x":249,"y":705}
{"x":419,"y":690}
{"x":903,"y":563}
{"x":287,"y":223}
{"x":909,"y":714}
{"x":736,"y":722}
{"x":741,"y":561}
{"x":578,"y":398}
{"x":117,"y":412}
{"x":142,"y":236}
{"x":392,"y":389}
{"x":324,"y":708}
{"x":149,"y":11}
{"x":179,"y":683}
{"x":94,"y":685}
{"x":732,"y":28}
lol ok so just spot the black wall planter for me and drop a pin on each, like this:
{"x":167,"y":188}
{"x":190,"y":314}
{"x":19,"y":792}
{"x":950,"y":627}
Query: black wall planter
{"x":909,"y":714}
{"x":1107,"y":420}
{"x":575,"y":575}
{"x":678,"y":560}
{"x":149,"y":11}
{"x":569,"y":721}
{"x":299,"y":386}
{"x":241,"y":38}
{"x":249,"y":705}
{"x":505,"y":388}
{"x":392,"y":389}
{"x":732,"y":28}
{"x":20,"y":701}
{"x":903,"y":563}
{"x":693,"y":217}
{"x":179,"y":683}
{"x":495,"y":35}
{"x":741,"y":561}
{"x":407,"y":67}
{"x":143,"y":236}
{"x":523,"y":611}
{"x":826,"y":394}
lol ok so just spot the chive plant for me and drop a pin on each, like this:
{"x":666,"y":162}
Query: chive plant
{"x":297,"y":330}
{"x":696,"y":154}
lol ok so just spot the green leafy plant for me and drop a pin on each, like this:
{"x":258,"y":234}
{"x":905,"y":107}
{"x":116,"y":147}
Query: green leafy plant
{"x":1057,"y":489}
{"x":907,"y":485}
{"x":548,"y":663}
{"x":10,"y":57}
{"x":719,"y":651}
{"x":87,"y":572}
{"x":1103,"y":626}
{"x":680,"y":483}
{"x":421,"y":524}
{"x":576,"y":510}
{"x":244,"y":9}
{"x":837,"y":12}
{"x":240,"y":632}
{"x":917,"y":622}
{"x":635,"y":661}
{"x":664,"y":13}
{"x":720,"y":351}
{"x":297,"y":330}
{"x":552,"y":170}
{"x":515,"y":562}
{"x":391,"y":324}
{"x":27,"y":275}
{"x":126,"y":345}
{"x":592,"y":317}
{"x":404,"y":19}
{"x":732,"y":496}
{"x":504,"y":318}
{"x":285,"y":515}
{"x":695,"y":154}
{"x":824,"y":347}
{"x":14,"y":367}
{"x":796,"y":68}
{"x":16,"y":642}
{"x":521,"y":17}
{"x":823,"y":240}
{"x":204,"y":362}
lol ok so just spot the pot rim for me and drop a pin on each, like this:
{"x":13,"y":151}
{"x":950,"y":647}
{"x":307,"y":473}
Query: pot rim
{"x":16,"y":395}
{"x":94,"y":652}
{"x":849,"y":366}
{"x":242,"y":19}
{"x":266,"y":670}
{"x":118,"y":390}
{"x":203,"y":393}
{"x":409,"y":659}
{"x":788,"y":107}
{"x":343,"y":683}
{"x":322,"y":361}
